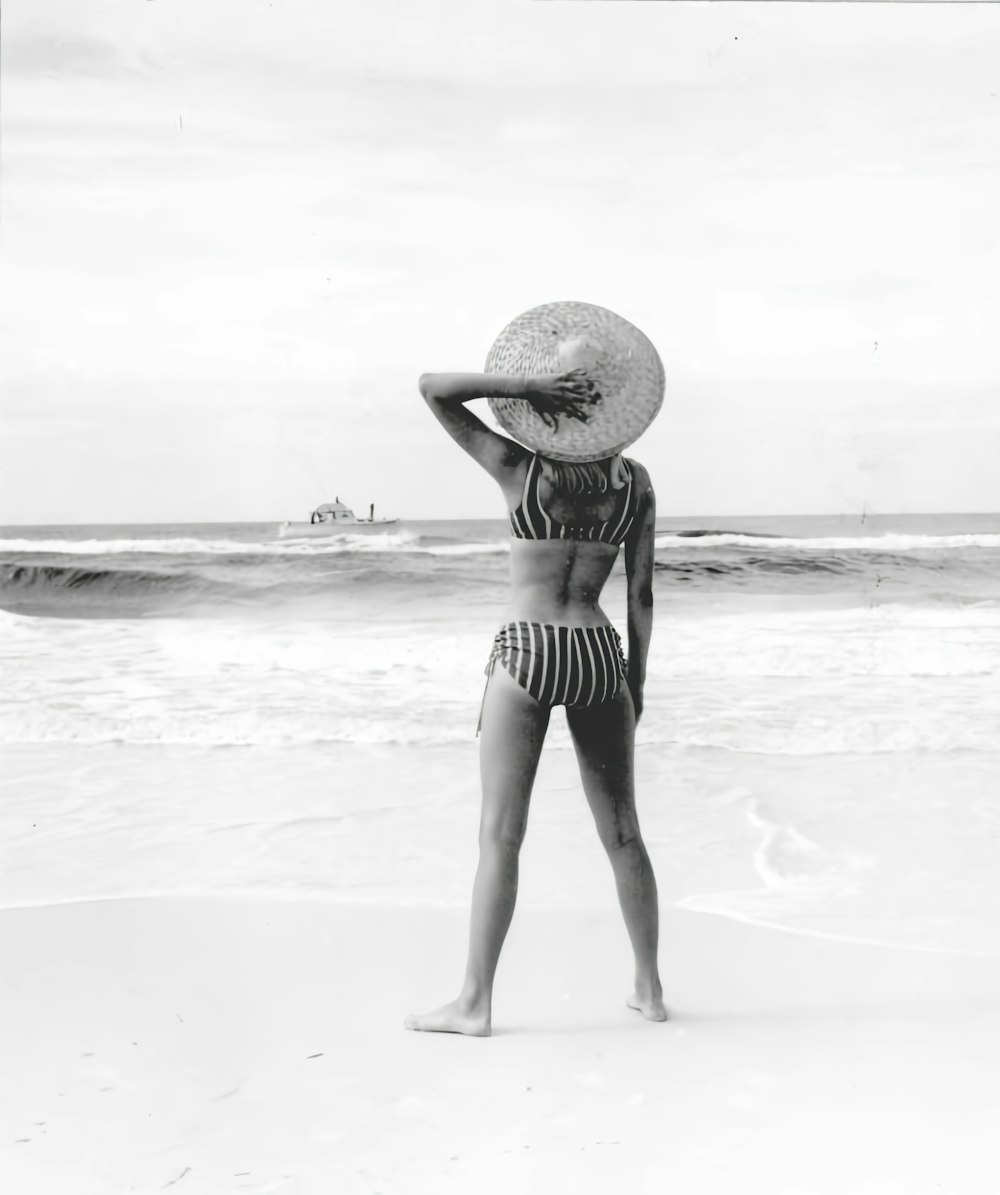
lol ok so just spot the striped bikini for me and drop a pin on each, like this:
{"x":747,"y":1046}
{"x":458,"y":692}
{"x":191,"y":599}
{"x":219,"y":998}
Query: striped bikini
{"x":530,"y":520}
{"x":573,"y":666}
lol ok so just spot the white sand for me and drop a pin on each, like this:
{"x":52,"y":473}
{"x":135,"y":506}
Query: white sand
{"x":240,"y":1029}
{"x":256,"y":1045}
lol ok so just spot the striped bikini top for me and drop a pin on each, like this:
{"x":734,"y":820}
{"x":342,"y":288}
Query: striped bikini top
{"x":530,"y":520}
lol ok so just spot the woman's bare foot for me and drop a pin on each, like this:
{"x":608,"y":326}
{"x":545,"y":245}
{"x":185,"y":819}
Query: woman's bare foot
{"x":650,"y":1004}
{"x":455,"y":1017}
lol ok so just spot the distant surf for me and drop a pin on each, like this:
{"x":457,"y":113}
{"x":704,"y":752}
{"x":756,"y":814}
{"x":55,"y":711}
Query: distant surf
{"x":178,"y":570}
{"x":822,"y":641}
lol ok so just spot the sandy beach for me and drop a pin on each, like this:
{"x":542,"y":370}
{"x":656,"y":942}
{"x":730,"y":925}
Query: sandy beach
{"x":239,"y":1026}
{"x":256,"y":1046}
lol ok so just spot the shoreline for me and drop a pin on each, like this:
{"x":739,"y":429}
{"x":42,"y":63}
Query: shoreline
{"x":250,"y":1038}
{"x":847,"y":847}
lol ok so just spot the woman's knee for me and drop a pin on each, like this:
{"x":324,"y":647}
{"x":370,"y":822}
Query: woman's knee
{"x":502,"y":835}
{"x":620,"y":834}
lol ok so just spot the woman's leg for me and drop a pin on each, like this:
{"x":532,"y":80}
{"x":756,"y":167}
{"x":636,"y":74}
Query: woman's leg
{"x":604,"y":737}
{"x":513,"y":730}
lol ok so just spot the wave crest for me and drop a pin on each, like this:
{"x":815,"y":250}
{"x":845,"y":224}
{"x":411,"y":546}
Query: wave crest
{"x":859,"y":543}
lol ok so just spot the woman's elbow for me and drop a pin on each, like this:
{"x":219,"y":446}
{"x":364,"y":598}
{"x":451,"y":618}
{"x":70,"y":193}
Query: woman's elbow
{"x":426,"y":385}
{"x":641,"y":596}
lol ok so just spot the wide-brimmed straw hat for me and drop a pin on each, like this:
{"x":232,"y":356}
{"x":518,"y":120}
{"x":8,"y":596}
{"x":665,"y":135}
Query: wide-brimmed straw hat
{"x":621,"y":362}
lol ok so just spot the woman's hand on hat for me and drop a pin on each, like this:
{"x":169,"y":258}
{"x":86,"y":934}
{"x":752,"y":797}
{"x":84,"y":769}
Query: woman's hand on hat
{"x":554,"y":394}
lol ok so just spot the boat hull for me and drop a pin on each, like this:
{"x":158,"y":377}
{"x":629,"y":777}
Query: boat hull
{"x":321,"y":530}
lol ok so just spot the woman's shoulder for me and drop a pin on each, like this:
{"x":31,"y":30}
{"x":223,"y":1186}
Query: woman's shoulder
{"x":640,"y":474}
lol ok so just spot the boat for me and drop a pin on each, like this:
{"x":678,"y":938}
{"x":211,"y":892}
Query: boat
{"x":330,"y":518}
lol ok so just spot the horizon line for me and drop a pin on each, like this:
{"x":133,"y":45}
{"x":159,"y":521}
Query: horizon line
{"x":860,"y":516}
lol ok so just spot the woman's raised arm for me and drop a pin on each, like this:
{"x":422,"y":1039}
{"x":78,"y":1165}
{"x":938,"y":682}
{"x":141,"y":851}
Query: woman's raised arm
{"x":552,"y":395}
{"x":447,"y":393}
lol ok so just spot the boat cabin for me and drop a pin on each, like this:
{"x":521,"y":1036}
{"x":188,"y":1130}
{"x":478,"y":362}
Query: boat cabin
{"x":332,"y":512}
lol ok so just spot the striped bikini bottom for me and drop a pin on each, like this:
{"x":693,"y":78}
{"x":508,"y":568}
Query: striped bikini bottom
{"x":574,"y":666}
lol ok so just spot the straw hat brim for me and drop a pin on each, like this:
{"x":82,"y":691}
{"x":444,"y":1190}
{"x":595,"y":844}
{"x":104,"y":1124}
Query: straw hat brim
{"x":621,"y":362}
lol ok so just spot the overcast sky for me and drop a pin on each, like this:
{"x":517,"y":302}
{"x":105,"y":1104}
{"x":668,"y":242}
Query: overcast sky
{"x":234,"y":233}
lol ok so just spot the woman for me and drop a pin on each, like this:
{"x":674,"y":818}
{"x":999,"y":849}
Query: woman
{"x":557,"y":647}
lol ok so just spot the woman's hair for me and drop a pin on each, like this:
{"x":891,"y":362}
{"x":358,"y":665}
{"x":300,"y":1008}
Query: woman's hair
{"x":584,"y":477}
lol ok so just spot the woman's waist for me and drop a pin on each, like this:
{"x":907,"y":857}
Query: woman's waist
{"x":549,"y":612}
{"x":560,"y":572}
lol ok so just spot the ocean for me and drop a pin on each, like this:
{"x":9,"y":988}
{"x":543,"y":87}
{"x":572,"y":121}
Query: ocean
{"x":211,"y":708}
{"x":789,"y":635}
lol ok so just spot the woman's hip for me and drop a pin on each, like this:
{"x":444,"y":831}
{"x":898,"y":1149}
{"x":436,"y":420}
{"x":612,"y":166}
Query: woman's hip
{"x":559,"y":664}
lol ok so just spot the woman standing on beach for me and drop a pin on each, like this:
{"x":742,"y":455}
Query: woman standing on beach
{"x":557,"y":647}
